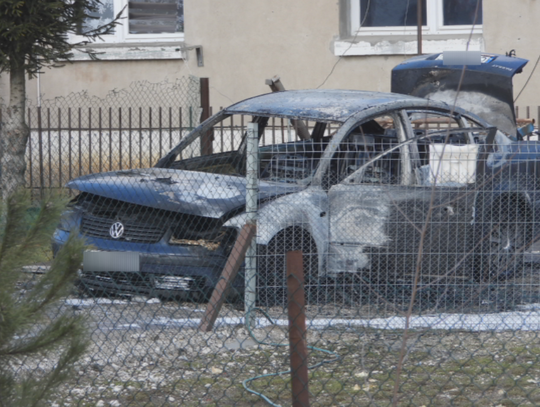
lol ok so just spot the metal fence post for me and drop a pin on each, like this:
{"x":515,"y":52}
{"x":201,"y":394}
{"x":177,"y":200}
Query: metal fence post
{"x":252,"y":173}
{"x":40,"y":140}
{"x":297,"y":329}
{"x":208,"y":137}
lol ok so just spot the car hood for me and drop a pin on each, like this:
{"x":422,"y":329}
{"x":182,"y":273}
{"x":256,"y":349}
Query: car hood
{"x":190,"y":192}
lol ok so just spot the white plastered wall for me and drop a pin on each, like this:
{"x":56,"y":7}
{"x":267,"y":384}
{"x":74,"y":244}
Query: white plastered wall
{"x":245,"y":42}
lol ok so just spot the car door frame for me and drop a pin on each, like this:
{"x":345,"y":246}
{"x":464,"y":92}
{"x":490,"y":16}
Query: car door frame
{"x":407,"y":188}
{"x":348,"y":256}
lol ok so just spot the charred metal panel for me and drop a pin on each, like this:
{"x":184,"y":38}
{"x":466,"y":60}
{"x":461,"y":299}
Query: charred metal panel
{"x":512,"y":174}
{"x":347,"y":258}
{"x":319,"y":105}
{"x":307,"y":209}
{"x":486,"y":89}
{"x":358,"y":216}
{"x":448,"y":235}
{"x":190,"y":192}
{"x":379,"y":228}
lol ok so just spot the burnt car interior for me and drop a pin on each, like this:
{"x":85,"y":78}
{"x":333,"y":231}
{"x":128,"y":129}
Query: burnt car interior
{"x":363,"y":144}
{"x":428,"y":149}
{"x":296,"y":161}
{"x":231,"y":162}
{"x":291,"y":162}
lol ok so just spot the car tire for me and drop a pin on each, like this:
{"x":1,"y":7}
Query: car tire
{"x":506,"y":243}
{"x":271,"y":279}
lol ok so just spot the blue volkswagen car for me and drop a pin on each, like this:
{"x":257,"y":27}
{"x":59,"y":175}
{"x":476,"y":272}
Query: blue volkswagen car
{"x":351,"y":191}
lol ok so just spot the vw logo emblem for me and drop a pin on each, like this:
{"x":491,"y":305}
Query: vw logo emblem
{"x":117,"y":230}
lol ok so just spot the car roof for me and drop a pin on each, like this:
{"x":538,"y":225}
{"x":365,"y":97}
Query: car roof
{"x":317,"y":104}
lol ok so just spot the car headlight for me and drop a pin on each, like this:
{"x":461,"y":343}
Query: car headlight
{"x":207,"y":244}
{"x":224,"y":237}
{"x":70,"y":219}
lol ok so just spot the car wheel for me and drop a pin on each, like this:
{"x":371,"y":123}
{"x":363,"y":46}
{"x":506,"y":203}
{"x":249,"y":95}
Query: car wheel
{"x":271,"y":281}
{"x":507,"y":243}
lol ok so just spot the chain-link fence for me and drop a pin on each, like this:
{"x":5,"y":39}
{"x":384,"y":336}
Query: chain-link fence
{"x":129,"y":128}
{"x":417,"y":285}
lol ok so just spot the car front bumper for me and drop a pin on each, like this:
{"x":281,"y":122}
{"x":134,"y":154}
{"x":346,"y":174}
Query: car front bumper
{"x":164,"y":270}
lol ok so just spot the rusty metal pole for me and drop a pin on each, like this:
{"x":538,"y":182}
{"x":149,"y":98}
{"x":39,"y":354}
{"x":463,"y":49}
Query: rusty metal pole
{"x":237,"y":256}
{"x":301,"y":127}
{"x":208,"y":137}
{"x":419,"y":30}
{"x":297,"y":329}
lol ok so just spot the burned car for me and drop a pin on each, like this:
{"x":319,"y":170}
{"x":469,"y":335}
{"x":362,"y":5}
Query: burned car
{"x":379,"y":179}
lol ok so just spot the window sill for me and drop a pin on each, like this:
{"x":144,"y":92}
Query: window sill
{"x":405,"y":45}
{"x":131,"y":51}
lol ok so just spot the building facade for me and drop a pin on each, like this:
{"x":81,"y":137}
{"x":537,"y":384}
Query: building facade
{"x":344,"y":44}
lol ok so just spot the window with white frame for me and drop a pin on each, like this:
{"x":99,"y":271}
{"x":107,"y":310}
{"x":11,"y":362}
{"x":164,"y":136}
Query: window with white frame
{"x":151,"y":22}
{"x":391,"y":26}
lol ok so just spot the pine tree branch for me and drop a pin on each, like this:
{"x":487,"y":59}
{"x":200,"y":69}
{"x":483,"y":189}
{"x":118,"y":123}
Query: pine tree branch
{"x":34,"y":323}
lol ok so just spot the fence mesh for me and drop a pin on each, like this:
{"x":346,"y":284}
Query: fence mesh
{"x":81,"y":134}
{"x":418,"y":282}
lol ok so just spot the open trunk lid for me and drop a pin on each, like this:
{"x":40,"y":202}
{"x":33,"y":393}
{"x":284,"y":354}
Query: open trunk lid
{"x":486,"y":89}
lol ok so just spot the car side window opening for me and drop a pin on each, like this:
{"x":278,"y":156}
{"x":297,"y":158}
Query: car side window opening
{"x":371,"y":139}
{"x":289,"y":158}
{"x":445,"y":153}
{"x":292,"y":155}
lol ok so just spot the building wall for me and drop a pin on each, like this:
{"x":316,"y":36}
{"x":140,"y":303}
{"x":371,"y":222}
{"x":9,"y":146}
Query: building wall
{"x":514,"y":25}
{"x":245,"y":42}
{"x":253,"y":41}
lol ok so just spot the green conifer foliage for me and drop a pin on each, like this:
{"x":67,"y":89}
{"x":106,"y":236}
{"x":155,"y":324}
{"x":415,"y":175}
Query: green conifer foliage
{"x":35,"y":34}
{"x":34,"y":323}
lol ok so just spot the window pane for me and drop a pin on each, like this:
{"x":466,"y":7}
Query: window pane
{"x":390,"y":13}
{"x":104,"y":15}
{"x":462,"y":12}
{"x":156,"y":16}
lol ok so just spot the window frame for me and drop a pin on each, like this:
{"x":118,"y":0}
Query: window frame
{"x":402,"y":40}
{"x":401,"y":135}
{"x":122,"y":38}
{"x":434,"y":23}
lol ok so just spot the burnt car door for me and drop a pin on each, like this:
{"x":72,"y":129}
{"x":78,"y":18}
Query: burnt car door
{"x":414,"y":182}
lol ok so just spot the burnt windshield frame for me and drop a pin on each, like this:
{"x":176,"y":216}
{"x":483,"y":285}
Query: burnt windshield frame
{"x":169,"y":159}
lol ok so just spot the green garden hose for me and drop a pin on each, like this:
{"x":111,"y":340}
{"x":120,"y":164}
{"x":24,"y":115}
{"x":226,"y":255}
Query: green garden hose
{"x":245,"y":382}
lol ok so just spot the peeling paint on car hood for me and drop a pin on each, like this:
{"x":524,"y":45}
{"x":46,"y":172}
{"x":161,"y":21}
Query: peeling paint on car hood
{"x":190,"y":192}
